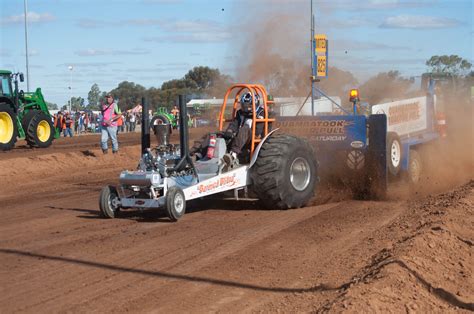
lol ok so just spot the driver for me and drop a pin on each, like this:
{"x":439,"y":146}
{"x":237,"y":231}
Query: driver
{"x":238,"y":131}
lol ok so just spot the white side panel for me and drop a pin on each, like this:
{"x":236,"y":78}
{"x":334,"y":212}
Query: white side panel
{"x":404,"y":116}
{"x":227,"y":181}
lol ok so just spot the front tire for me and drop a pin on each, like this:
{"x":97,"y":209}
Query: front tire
{"x":109,"y":202}
{"x":39,"y":129}
{"x":175,"y":203}
{"x":285,"y":173}
{"x":8,"y":127}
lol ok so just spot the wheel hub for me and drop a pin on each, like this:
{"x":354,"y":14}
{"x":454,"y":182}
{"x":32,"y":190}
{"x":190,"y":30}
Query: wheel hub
{"x":300,"y":174}
{"x":178,"y":203}
{"x":395,"y":153}
{"x":43,"y":131}
{"x":6,"y":127}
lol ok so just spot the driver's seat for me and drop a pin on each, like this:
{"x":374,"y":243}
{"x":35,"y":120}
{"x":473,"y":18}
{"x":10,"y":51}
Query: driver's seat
{"x":206,"y":167}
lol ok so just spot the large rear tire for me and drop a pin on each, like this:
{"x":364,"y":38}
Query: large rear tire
{"x":39,"y":129}
{"x":394,"y":153}
{"x":175,"y":203}
{"x":8,"y":127}
{"x":285,"y":173}
{"x":108,"y":202}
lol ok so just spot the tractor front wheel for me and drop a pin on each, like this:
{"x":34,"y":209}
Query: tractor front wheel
{"x":109,"y":202}
{"x":285,"y":173}
{"x":38,"y":128}
{"x":8,"y":127}
{"x":175,"y":203}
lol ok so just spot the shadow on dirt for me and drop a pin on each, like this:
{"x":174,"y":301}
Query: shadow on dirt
{"x":168,"y":275}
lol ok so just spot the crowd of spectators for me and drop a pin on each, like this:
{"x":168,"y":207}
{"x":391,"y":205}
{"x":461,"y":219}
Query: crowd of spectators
{"x":83,"y":122}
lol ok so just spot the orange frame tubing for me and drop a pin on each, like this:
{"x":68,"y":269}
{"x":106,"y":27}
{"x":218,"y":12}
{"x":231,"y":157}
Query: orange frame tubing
{"x":253,"y":89}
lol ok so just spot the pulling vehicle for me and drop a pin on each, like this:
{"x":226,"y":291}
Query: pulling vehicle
{"x":23,"y":115}
{"x":370,"y":150}
{"x":281,"y":170}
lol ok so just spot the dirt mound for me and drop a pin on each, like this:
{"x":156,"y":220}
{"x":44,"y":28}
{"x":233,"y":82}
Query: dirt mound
{"x":428,"y":268}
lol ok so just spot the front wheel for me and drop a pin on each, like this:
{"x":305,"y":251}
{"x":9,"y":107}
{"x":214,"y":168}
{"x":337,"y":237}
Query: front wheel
{"x":8,"y":127}
{"x":39,"y":129}
{"x":175,"y":203}
{"x":285,"y":173}
{"x":109,"y":202}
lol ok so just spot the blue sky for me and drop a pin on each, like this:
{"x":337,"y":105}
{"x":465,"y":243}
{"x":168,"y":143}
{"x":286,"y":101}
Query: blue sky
{"x":151,"y":41}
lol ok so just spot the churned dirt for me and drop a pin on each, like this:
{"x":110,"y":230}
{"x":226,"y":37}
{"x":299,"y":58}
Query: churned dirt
{"x":338,"y":255}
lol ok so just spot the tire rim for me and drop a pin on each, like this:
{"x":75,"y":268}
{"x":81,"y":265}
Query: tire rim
{"x":113,"y":200}
{"x":178,"y":203}
{"x":415,"y":171}
{"x":43,"y":131}
{"x":300,"y":174}
{"x":395,"y":153}
{"x":6,"y":128}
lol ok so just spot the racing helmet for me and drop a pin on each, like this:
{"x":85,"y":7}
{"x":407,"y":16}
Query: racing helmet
{"x":246,"y":102}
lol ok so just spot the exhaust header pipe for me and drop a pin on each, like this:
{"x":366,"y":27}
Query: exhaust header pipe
{"x":145,"y":127}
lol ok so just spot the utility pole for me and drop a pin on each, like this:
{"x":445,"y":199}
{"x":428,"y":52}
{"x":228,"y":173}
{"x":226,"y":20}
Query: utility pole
{"x":25,"y":2}
{"x":70,"y":87}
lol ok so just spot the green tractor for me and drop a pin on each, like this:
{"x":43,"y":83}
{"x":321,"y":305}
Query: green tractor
{"x":162,"y":116}
{"x":23,"y":115}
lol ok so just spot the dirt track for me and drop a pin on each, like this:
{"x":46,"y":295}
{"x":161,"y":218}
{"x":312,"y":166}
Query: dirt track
{"x":56,"y":255}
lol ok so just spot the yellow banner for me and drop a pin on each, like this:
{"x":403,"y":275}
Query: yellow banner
{"x":321,"y":41}
{"x":322,"y":66}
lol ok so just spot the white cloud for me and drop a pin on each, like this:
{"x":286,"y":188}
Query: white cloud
{"x":33,"y":17}
{"x":161,"y":1}
{"x":110,"y":52}
{"x":418,"y":21}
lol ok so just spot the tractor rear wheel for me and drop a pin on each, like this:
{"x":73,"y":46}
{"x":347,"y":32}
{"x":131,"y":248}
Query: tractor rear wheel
{"x":109,"y":202}
{"x":285,"y":173}
{"x":39,"y":129}
{"x":8,"y":127}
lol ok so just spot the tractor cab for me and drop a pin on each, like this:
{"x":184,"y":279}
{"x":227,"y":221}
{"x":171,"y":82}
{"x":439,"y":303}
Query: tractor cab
{"x":6,"y":84}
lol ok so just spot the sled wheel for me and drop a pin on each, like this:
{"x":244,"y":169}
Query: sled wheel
{"x":175,"y":203}
{"x":109,"y":202}
{"x":394,"y":153}
{"x":415,"y":168}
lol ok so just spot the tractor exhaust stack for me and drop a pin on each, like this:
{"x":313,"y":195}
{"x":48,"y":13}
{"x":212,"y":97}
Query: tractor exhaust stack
{"x":145,"y":127}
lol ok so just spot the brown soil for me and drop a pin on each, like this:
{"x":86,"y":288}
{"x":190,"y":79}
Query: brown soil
{"x":57,"y":255}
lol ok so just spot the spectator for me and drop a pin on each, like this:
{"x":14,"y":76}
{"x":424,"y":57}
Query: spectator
{"x":127,"y":122}
{"x":68,"y":125}
{"x":132,"y":122}
{"x":58,"y":122}
{"x":110,"y":114}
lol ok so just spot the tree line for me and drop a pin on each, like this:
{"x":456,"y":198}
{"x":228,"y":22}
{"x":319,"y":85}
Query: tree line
{"x":206,"y":82}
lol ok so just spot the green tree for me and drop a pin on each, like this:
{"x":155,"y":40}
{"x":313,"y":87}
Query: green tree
{"x":201,"y":77}
{"x":452,"y":65}
{"x":93,"y":97}
{"x":128,"y":94}
{"x":77,"y":103}
{"x":52,"y":106}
